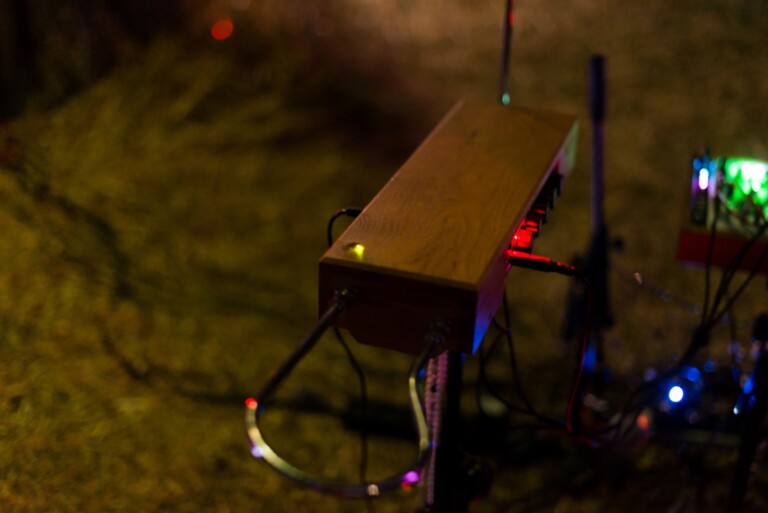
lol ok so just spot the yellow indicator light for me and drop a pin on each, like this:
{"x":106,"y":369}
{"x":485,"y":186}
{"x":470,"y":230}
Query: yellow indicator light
{"x":358,"y":250}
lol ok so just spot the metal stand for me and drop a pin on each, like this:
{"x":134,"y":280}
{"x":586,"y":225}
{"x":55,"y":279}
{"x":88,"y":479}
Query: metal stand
{"x":597,"y":260}
{"x":450,"y":493}
{"x":753,"y":430}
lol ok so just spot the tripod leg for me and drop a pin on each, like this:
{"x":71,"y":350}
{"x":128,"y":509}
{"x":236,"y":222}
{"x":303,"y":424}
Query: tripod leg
{"x":450,"y":496}
{"x":752,"y":431}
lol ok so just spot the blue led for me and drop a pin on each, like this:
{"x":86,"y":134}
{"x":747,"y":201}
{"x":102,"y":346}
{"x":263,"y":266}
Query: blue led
{"x":749,"y":385}
{"x":692,"y":374}
{"x":590,"y":358}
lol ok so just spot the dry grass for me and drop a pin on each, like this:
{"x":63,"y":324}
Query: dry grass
{"x":161,"y":229}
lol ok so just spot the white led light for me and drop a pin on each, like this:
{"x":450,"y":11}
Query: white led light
{"x":676,"y":394}
{"x":703,"y":179}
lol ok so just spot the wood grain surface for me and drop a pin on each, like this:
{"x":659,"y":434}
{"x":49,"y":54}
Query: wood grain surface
{"x":430,"y":246}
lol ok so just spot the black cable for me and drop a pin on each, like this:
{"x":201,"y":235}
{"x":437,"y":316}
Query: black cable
{"x":708,"y":261}
{"x":347,"y":211}
{"x":527,"y":408}
{"x":716,"y":316}
{"x":544,"y":264}
{"x":483,"y":380}
{"x":512,"y":355}
{"x":363,"y":470}
{"x":363,"y":403}
{"x":504,"y":331}
{"x":730,"y":271}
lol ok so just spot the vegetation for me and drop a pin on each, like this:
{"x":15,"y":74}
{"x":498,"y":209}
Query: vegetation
{"x":162,"y":218}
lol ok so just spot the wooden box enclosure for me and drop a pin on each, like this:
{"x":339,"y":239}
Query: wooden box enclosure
{"x":431,"y":245}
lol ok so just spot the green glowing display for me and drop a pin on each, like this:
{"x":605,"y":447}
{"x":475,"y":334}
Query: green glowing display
{"x":746,"y":182}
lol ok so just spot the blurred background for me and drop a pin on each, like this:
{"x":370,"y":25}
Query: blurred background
{"x":167,"y":171}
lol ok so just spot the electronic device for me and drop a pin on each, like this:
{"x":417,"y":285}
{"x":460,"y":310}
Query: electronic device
{"x":726,"y":214}
{"x":421,"y":269}
{"x":433,"y":244}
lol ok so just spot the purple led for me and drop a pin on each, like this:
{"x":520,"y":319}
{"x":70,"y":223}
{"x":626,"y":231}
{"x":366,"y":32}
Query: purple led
{"x":257,"y":452}
{"x":411,"y":477}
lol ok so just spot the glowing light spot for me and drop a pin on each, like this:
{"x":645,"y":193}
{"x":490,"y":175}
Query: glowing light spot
{"x":257,"y":452}
{"x":222,"y":29}
{"x":357,"y":250}
{"x":643,"y":422}
{"x":505,"y":99}
{"x":590,"y":358}
{"x":411,"y":477}
{"x":750,"y":176}
{"x":693,"y":374}
{"x":373,"y":490}
{"x":251,"y":403}
{"x":676,"y":394}
{"x":749,"y":385}
{"x":703,"y":179}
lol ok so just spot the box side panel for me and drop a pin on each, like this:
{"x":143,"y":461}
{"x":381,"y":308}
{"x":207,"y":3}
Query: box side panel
{"x":396,"y":312}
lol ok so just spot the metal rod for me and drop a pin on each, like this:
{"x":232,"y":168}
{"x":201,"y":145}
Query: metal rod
{"x":304,"y":346}
{"x":450,"y":490}
{"x":506,"y":51}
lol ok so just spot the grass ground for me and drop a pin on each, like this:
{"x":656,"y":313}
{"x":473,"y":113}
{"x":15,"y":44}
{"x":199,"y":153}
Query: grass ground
{"x":161,"y":231}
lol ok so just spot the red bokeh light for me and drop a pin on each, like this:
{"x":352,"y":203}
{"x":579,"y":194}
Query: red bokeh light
{"x":222,"y":29}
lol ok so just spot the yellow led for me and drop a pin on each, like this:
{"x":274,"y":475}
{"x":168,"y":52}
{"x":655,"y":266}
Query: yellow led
{"x":358,"y":249}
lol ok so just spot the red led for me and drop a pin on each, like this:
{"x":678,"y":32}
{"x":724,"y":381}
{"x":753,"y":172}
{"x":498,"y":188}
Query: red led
{"x":251,"y":403}
{"x":522,"y":240}
{"x":222,"y":29}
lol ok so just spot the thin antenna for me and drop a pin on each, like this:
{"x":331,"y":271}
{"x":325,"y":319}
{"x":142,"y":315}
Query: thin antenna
{"x":506,"y":51}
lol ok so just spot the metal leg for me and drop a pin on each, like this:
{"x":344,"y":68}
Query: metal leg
{"x":752,"y":432}
{"x":450,"y":492}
